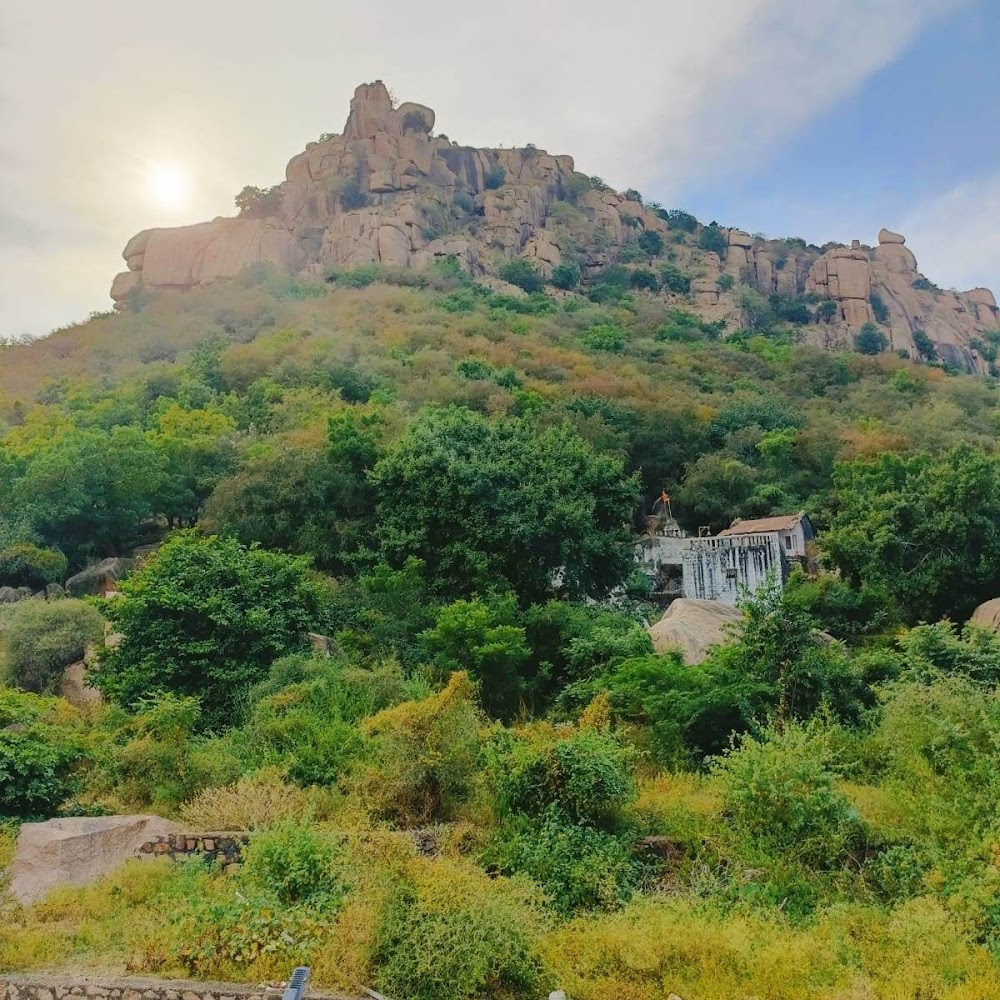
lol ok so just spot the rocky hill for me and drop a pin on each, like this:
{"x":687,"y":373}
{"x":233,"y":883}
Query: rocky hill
{"x":388,"y":191}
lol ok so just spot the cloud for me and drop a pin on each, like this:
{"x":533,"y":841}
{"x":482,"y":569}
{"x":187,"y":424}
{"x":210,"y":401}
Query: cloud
{"x":643,"y":92}
{"x":956,"y":236}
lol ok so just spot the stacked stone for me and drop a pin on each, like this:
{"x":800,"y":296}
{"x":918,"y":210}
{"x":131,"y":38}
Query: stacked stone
{"x":56,"y":987}
{"x":225,"y":848}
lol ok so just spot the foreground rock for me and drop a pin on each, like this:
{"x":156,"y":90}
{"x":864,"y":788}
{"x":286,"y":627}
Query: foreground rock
{"x":78,"y":849}
{"x":694,"y":627}
{"x":988,"y":615}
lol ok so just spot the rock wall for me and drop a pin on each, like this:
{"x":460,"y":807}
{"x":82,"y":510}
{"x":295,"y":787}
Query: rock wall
{"x":42,"y":986}
{"x":226,"y":847}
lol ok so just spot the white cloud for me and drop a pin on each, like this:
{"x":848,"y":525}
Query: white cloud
{"x":645,"y":92}
{"x":956,"y":236}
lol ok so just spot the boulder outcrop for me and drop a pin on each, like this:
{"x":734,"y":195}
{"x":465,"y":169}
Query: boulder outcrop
{"x":78,"y":849}
{"x":386,"y":190}
{"x":694,"y":627}
{"x":988,"y":614}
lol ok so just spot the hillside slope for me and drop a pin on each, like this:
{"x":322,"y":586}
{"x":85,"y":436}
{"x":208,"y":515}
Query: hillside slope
{"x":388,"y":191}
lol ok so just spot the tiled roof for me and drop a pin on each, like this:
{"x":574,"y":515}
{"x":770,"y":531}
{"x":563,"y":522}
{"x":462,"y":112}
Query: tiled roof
{"x":785,"y":522}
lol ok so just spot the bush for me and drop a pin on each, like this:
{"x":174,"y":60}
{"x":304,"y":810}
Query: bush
{"x":257,"y":201}
{"x":494,"y":177}
{"x":606,"y":337}
{"x":870,"y":340}
{"x":826,"y":310}
{"x":41,"y":638}
{"x":352,"y":195}
{"x":674,"y":279}
{"x":725,"y":282}
{"x":252,"y":803}
{"x":296,"y":863}
{"x":879,"y":308}
{"x":41,"y":745}
{"x":24,"y":564}
{"x":651,"y":243}
{"x":780,"y":796}
{"x":524,"y":274}
{"x":586,"y":774}
{"x":448,"y":932}
{"x":207,"y":617}
{"x":643,"y":278}
{"x":677,"y":219}
{"x":423,"y":756}
{"x":924,"y":345}
{"x":713,"y":239}
{"x":579,"y":867}
{"x":566,"y":276}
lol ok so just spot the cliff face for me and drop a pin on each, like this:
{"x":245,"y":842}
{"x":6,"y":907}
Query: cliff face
{"x":387,"y":191}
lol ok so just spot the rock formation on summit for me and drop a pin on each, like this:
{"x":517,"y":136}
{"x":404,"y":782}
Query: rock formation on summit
{"x":387,"y":191}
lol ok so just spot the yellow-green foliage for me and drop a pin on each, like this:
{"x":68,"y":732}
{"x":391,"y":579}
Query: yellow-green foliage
{"x":252,"y":803}
{"x":657,"y":947}
{"x":423,"y":755}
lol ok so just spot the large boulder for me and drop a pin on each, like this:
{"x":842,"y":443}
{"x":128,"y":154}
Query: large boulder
{"x":988,"y":614}
{"x":100,"y":578}
{"x":77,"y":850}
{"x":694,"y":627}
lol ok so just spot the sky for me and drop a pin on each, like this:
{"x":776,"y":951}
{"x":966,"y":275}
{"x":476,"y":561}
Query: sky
{"x":788,"y":117}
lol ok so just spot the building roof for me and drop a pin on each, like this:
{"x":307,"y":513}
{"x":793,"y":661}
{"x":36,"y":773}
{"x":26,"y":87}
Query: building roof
{"x":786,"y":522}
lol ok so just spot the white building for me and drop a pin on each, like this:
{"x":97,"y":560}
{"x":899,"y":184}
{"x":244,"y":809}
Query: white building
{"x":793,"y":530}
{"x":723,"y":567}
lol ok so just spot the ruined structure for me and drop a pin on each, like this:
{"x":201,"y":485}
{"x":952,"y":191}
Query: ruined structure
{"x":720,"y":568}
{"x":388,"y":191}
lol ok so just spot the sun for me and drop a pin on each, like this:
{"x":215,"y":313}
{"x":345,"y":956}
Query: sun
{"x":168,"y":184}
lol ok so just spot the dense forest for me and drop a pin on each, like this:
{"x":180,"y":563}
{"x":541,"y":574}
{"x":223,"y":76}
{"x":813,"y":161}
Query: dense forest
{"x":486,"y":783}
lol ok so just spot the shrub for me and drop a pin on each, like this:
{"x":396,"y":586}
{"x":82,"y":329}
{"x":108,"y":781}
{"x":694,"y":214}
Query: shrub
{"x":579,"y":867}
{"x":643,"y":278}
{"x":780,"y":796}
{"x":606,"y":337}
{"x":423,"y":755}
{"x":713,"y":239}
{"x":481,"y":637}
{"x":296,"y":863}
{"x":494,"y":177}
{"x":41,"y":746}
{"x":258,"y":201}
{"x":252,"y":803}
{"x":566,"y":276}
{"x":576,"y":187}
{"x":24,"y":564}
{"x":207,"y":617}
{"x":352,"y":195}
{"x":586,"y":774}
{"x":923,"y":284}
{"x":651,"y":243}
{"x":464,"y":202}
{"x":725,"y":282}
{"x":41,"y":638}
{"x":448,"y":932}
{"x":924,"y":345}
{"x":414,"y":121}
{"x":826,"y":310}
{"x":677,"y":219}
{"x":879,"y":308}
{"x":524,"y":274}
{"x":674,"y":279}
{"x":870,"y":339}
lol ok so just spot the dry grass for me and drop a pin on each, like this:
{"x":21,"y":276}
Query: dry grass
{"x":252,"y":803}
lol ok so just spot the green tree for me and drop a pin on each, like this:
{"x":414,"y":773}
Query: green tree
{"x":494,"y":502}
{"x":870,"y":339}
{"x":524,"y":274}
{"x":926,"y":531}
{"x":483,"y":638}
{"x":651,"y":243}
{"x":206,"y":617}
{"x":198,"y":448}
{"x":566,"y":276}
{"x":89,"y":492}
{"x":713,"y":239}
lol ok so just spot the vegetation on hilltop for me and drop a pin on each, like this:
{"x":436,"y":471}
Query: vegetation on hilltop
{"x":439,"y":479}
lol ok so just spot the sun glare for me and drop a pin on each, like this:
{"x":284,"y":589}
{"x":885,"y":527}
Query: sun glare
{"x":168,"y":184}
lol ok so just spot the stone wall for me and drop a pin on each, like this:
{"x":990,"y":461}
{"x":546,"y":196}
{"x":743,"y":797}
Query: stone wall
{"x":57,"y":987}
{"x":718,"y":568}
{"x":226,"y":847}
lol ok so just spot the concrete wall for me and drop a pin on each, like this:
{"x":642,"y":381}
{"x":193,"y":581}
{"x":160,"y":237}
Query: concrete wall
{"x":57,"y":987}
{"x":720,"y":568}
